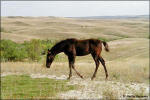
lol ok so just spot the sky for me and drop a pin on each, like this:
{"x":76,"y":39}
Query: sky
{"x":74,"y":8}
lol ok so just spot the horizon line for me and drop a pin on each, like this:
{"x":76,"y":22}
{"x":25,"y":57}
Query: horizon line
{"x":79,"y":16}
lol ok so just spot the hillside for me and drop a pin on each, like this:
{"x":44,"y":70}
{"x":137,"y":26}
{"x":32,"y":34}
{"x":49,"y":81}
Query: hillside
{"x":19,"y":29}
{"x":128,"y":37}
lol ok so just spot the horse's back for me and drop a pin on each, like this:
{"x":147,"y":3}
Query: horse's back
{"x":84,"y":47}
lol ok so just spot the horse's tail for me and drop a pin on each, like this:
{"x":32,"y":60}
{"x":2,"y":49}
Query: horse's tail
{"x":106,"y":46}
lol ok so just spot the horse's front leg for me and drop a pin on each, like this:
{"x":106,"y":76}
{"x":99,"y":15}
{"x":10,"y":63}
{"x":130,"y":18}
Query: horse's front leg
{"x":72,"y":61}
{"x":77,"y":72}
{"x":70,"y":70}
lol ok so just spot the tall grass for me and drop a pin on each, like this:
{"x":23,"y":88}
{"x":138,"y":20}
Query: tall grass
{"x":125,"y":71}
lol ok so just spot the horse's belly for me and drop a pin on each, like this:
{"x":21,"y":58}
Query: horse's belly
{"x":82,"y":48}
{"x":81,"y":52}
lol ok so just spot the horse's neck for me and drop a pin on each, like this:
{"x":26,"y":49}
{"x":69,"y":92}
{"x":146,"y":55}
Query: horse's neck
{"x":56,"y":49}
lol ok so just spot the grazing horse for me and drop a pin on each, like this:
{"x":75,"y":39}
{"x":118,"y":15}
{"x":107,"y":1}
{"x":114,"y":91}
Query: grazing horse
{"x":73,"y":47}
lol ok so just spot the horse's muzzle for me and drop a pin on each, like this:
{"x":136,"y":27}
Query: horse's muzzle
{"x":48,"y":65}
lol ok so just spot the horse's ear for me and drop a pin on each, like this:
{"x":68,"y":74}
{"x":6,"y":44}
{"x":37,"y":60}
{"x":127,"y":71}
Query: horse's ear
{"x":49,"y":52}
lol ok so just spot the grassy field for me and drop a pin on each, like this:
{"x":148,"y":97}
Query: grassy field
{"x":26,"y":28}
{"x":127,"y":62}
{"x":15,"y":87}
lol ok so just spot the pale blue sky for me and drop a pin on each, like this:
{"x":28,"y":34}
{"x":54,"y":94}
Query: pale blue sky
{"x":74,"y":8}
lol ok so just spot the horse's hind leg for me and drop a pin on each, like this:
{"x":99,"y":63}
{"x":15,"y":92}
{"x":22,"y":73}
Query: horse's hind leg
{"x":95,"y":57}
{"x":103,"y":63}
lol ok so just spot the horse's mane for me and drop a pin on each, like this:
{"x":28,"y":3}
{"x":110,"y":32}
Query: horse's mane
{"x":58,"y":45}
{"x":61,"y":44}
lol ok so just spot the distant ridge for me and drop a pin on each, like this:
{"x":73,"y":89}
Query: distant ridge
{"x":113,"y":17}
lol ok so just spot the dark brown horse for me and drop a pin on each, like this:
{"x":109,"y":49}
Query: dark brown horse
{"x":73,"y":47}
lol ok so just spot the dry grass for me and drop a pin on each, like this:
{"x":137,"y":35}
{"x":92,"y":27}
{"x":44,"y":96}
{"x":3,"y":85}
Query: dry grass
{"x":127,"y":61}
{"x":27,"y":28}
{"x":108,"y":94}
{"x":125,"y":71}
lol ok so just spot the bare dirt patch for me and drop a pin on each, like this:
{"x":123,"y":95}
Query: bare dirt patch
{"x":104,"y":89}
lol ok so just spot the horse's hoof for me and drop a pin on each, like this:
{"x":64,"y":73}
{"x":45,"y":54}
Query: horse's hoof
{"x":106,"y":78}
{"x":92,"y":78}
{"x":82,"y":77}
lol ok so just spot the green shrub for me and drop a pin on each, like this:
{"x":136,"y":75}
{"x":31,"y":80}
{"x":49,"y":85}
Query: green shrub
{"x":32,"y":50}
{"x":11,"y":51}
{"x":46,"y":44}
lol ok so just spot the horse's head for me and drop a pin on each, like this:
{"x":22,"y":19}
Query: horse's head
{"x":49,"y":59}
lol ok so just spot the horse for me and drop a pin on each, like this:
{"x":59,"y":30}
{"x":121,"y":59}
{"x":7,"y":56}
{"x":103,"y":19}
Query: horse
{"x":73,"y":47}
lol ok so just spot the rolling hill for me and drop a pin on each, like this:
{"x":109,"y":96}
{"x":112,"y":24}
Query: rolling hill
{"x":20,"y":29}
